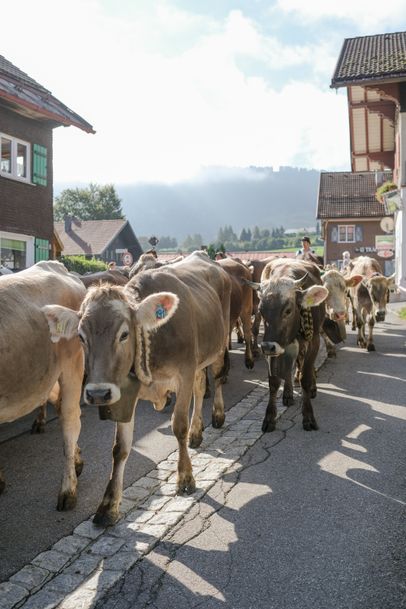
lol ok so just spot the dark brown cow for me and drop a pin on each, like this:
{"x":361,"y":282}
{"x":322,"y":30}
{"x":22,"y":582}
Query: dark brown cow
{"x":158,"y":332}
{"x":369,"y":297}
{"x":33,"y":366}
{"x":256,"y":267}
{"x":241,"y":302}
{"x":292,"y":319}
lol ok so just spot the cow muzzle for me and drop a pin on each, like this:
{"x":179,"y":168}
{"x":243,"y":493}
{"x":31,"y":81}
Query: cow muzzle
{"x":97,"y":394}
{"x":272,"y":349}
{"x":380,"y":315}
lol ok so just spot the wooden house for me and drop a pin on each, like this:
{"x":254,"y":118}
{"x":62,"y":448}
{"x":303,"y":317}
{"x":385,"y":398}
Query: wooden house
{"x":373,"y":70}
{"x":107,"y":240}
{"x":353,"y":220}
{"x":28,"y":115}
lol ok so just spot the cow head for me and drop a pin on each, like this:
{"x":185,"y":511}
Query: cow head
{"x":378,"y":290}
{"x":337,"y":286}
{"x":280,"y":304}
{"x":114,"y":332}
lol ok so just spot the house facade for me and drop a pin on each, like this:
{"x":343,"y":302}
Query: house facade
{"x":107,"y":240}
{"x":28,"y":115}
{"x":373,"y":69}
{"x":352,"y":220}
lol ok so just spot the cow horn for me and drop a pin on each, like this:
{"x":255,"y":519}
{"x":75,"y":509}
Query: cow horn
{"x":253,"y":284}
{"x":299,"y":282}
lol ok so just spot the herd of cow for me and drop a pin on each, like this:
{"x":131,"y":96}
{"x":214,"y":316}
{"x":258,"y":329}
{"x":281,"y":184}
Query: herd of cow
{"x":111,"y":339}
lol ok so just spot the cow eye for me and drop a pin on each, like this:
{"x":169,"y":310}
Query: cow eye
{"x":124,"y":336}
{"x":288,"y":311}
{"x":82,"y":338}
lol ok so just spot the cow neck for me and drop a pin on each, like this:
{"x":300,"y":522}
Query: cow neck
{"x":142,"y":355}
{"x":306,"y":323}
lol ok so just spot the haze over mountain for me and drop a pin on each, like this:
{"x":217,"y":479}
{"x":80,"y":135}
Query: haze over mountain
{"x":240,"y":197}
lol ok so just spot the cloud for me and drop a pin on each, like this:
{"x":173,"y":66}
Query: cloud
{"x":371,"y":17}
{"x":167,"y":95}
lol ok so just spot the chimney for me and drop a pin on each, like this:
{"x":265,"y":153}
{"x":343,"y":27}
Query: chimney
{"x":68,"y":223}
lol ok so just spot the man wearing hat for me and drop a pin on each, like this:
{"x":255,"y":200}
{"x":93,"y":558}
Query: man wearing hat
{"x":305,"y":249}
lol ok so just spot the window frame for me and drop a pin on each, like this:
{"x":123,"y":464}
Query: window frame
{"x":346,"y":227}
{"x":15,"y":141}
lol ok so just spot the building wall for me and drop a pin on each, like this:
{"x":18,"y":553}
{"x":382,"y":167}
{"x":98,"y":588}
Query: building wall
{"x":125,"y":240}
{"x":364,"y":245}
{"x":27,"y":208}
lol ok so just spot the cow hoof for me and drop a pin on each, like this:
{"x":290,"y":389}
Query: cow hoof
{"x":105,"y":519}
{"x":37,"y":427}
{"x":268,"y":426}
{"x":288,"y":400}
{"x":187,"y":486}
{"x":249,"y":363}
{"x":310,"y":425}
{"x":66,"y":501}
{"x":371,"y":347}
{"x":217,"y":420}
{"x":195,"y":440}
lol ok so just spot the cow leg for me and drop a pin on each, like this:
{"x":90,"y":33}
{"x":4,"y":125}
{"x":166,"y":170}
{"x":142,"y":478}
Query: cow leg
{"x":220,"y":370}
{"x":330,"y":347}
{"x":361,"y":342}
{"x":268,"y":424}
{"x":108,"y":511}
{"x":255,"y":332}
{"x":239,"y":332}
{"x":370,"y":341}
{"x":69,"y":415}
{"x":247,"y":330}
{"x":38,"y":425}
{"x":180,"y":423}
{"x":196,"y":426}
{"x":308,"y":383}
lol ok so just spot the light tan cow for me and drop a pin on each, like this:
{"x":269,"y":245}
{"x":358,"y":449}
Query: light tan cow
{"x":32,"y":365}
{"x":370,"y":297}
{"x":157,"y":333}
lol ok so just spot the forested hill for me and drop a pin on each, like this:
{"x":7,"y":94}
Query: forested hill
{"x":242,"y":198}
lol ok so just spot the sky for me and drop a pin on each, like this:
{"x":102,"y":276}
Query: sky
{"x":174,"y":86}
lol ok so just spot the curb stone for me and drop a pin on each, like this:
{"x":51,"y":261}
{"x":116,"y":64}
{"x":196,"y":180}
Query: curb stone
{"x":80,"y":568}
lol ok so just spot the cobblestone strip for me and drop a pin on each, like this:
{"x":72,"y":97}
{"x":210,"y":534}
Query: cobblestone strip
{"x":80,"y":568}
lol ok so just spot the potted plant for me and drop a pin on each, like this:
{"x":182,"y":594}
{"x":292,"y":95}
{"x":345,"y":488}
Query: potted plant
{"x":383,"y":188}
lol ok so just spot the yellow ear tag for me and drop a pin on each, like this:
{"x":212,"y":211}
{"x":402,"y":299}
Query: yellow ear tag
{"x":310,"y":301}
{"x":60,"y":327}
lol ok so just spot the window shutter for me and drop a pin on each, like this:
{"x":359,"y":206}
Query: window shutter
{"x":359,"y":233}
{"x":39,"y":169}
{"x":41,"y":249}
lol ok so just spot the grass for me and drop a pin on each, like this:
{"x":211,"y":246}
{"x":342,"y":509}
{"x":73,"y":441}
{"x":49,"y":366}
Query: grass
{"x":402,"y":313}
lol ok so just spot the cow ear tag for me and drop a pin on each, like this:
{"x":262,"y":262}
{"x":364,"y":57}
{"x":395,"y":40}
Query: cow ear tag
{"x":160,"y":311}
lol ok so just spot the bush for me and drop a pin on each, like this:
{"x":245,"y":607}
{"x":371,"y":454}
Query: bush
{"x":385,"y":187}
{"x":81,"y":265}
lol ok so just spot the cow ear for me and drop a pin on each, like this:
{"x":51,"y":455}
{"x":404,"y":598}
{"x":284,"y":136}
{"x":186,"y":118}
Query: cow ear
{"x":391,"y":280}
{"x":313,"y":296}
{"x":155,"y":310}
{"x":354,"y":280}
{"x":62,"y":322}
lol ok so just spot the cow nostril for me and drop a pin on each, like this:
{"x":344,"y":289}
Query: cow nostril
{"x":89,"y":397}
{"x":107,"y":395}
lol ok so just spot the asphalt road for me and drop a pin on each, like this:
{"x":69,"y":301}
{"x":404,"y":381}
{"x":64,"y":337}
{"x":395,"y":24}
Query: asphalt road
{"x":32,"y":465}
{"x":308,"y":520}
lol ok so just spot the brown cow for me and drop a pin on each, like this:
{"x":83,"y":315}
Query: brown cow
{"x":292,"y":319}
{"x":241,"y":302}
{"x":369,"y":297}
{"x":32,"y":364}
{"x":256,"y":267}
{"x":158,"y":332}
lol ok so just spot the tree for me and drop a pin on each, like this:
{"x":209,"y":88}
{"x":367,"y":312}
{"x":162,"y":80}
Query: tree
{"x":93,"y":203}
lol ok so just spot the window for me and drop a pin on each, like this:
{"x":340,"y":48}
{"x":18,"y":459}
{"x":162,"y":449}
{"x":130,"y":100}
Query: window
{"x":346,"y":233}
{"x":16,"y":251}
{"x":15,"y":158}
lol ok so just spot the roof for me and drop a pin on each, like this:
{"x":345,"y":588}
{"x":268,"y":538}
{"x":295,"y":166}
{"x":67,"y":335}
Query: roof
{"x":367,"y":58}
{"x":350,"y":195}
{"x":90,"y":237}
{"x":22,"y":92}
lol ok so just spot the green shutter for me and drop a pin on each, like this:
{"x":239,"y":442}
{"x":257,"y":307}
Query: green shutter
{"x":41,"y":249}
{"x":39,"y":165}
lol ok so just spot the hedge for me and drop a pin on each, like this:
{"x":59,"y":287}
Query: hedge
{"x":81,"y":265}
